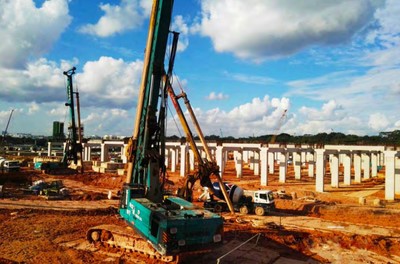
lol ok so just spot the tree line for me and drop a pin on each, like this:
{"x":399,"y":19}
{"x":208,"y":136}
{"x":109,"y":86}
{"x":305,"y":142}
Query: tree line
{"x":333,"y":138}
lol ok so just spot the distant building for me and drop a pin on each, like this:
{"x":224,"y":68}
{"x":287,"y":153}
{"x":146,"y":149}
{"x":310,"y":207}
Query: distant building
{"x":58,"y":130}
{"x":112,"y":137}
{"x":22,"y":135}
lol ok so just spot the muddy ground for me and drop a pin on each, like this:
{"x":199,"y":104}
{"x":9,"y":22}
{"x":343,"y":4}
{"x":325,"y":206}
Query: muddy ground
{"x":329,"y":227}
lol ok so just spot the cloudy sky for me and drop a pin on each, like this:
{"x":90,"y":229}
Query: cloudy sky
{"x":331,"y":65}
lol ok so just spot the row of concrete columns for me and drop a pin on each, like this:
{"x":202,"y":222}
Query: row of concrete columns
{"x":87,"y":149}
{"x":364,"y":163}
{"x":261,"y":160}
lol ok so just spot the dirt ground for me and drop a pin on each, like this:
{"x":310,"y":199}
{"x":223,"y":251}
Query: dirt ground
{"x":307,"y":227}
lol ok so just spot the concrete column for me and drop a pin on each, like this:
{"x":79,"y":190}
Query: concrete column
{"x":245,"y":156}
{"x":335,"y":171}
{"x":103,"y":152}
{"x":320,"y":170}
{"x":311,"y":164}
{"x":347,"y":169}
{"x":166,"y":159}
{"x":191,"y":159}
{"x":237,"y":156}
{"x":297,"y":165}
{"x":182,"y":163}
{"x":89,"y":153}
{"x":256,"y":162}
{"x":381,"y":159}
{"x":302,"y":156}
{"x":251,"y":159}
{"x":64,"y":148}
{"x":357,"y":167}
{"x":220,"y":159}
{"x":84,"y":152}
{"x":396,"y":175}
{"x":271,"y":162}
{"x":203,"y":154}
{"x":264,"y":166}
{"x":390,"y":174}
{"x":374,"y":164}
{"x":366,"y":165}
{"x":282,"y":167}
{"x":123,"y":153}
{"x":173,"y":160}
{"x":49,"y":149}
{"x":340,"y":158}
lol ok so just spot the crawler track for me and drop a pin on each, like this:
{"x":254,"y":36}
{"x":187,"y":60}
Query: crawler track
{"x":125,"y":239}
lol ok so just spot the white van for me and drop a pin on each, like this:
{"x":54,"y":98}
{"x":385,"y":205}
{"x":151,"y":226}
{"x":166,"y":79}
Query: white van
{"x":11,"y":165}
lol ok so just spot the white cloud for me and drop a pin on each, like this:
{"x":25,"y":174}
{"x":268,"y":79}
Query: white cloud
{"x":106,"y":82}
{"x":329,"y":111}
{"x":386,"y":36}
{"x":58,"y":110}
{"x":217,"y":96}
{"x":33,"y":108}
{"x":281,"y":27}
{"x":179,"y":25}
{"x":42,"y":81}
{"x":4,"y":117}
{"x":355,"y":91}
{"x":388,"y":27}
{"x":44,"y":73}
{"x":378,"y":122}
{"x":349,"y":125}
{"x":110,"y":82}
{"x":130,"y":14}
{"x":397,"y":125}
{"x":282,"y":103}
{"x":253,"y":79}
{"x":114,"y":121}
{"x":27,"y":31}
{"x":258,"y":117}
{"x":146,"y":5}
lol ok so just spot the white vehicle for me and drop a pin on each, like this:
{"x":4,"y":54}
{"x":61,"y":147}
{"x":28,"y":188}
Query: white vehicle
{"x":11,"y":165}
{"x":245,"y":201}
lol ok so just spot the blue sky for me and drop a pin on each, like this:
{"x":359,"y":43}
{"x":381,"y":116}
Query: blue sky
{"x":333,"y":65}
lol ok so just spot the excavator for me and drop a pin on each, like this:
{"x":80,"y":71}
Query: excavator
{"x":164,"y":226}
{"x":206,"y":167}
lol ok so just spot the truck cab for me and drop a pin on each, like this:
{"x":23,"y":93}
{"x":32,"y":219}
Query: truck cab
{"x":262,"y":201}
{"x":263,"y":197}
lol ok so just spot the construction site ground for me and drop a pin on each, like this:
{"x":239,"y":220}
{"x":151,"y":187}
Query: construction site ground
{"x":307,"y":227}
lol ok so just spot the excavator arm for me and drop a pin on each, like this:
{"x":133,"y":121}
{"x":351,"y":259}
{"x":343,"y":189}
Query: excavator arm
{"x":206,"y":167}
{"x":144,"y":158}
